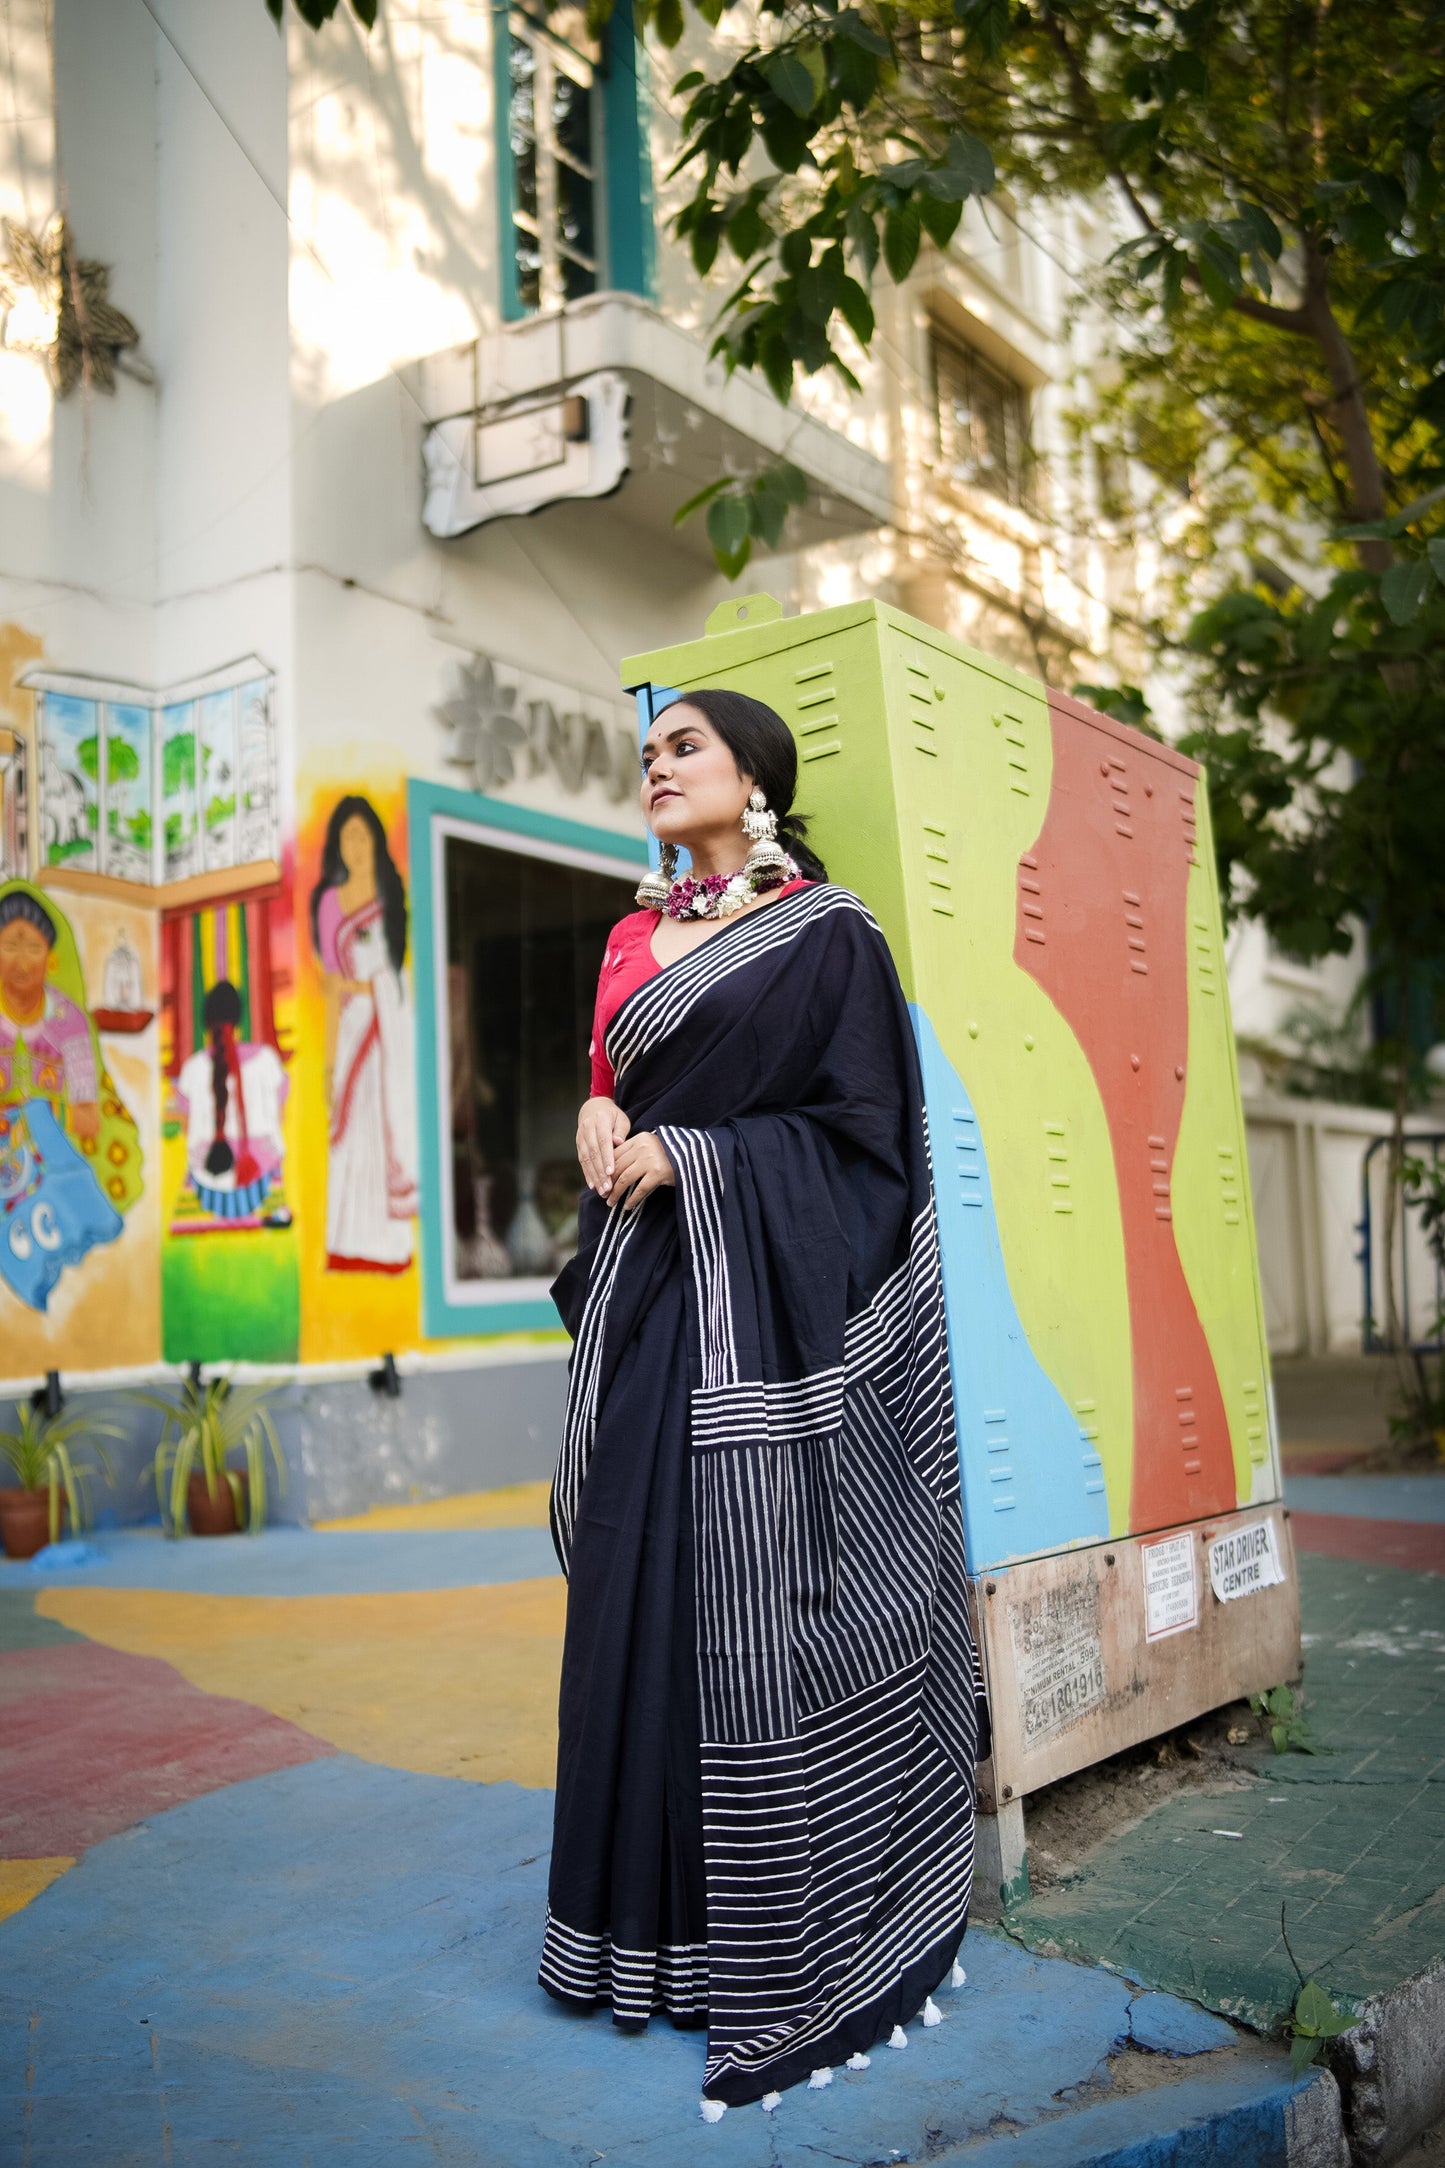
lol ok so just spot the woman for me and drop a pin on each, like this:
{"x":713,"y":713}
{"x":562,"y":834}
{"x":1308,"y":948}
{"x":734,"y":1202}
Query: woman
{"x":70,"y":1156}
{"x":358,"y":923}
{"x":765,"y":1793}
{"x":231,"y":1094}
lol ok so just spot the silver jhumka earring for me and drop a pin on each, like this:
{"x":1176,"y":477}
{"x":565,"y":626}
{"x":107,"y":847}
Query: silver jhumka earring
{"x":656,"y":884}
{"x":760,"y":826}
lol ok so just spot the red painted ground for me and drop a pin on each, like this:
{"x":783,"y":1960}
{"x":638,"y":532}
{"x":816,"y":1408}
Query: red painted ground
{"x":1102,"y":926}
{"x":1418,"y":1544}
{"x":95,"y":1740}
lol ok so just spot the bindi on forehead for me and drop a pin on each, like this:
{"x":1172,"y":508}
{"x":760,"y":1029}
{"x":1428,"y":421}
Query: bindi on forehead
{"x":692,"y":725}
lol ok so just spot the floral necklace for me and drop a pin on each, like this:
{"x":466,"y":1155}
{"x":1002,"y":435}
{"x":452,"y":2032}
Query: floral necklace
{"x":718,"y":895}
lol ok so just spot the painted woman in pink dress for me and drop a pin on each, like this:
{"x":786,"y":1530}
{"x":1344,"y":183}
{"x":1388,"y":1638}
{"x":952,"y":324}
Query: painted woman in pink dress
{"x":358,"y":923}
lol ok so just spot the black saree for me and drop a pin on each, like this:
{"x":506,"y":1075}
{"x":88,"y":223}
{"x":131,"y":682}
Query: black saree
{"x":769,"y":1730}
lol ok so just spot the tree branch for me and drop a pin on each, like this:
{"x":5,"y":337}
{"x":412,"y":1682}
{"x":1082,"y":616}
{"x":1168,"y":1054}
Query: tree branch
{"x":1296,"y":321}
{"x":1091,"y":120}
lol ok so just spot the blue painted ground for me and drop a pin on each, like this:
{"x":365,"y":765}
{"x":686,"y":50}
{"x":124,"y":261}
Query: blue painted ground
{"x":292,"y":1561}
{"x":1369,"y":1497}
{"x":335,"y":1964}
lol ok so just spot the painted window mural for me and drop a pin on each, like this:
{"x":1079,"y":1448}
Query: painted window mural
{"x":156,"y":788}
{"x":229,"y":1079}
{"x":524,"y":943}
{"x":230,"y":1265}
{"x":70,"y":1157}
{"x":359,"y":928}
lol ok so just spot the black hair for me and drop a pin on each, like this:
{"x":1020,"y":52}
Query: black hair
{"x":222,"y":1006}
{"x":389,"y":885}
{"x":18,"y":905}
{"x":764,"y":748}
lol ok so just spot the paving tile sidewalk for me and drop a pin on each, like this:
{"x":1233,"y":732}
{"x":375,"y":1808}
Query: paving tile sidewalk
{"x":1351,"y":1841}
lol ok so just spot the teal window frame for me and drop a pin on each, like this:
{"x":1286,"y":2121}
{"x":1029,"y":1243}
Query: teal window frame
{"x":626,"y":241}
{"x":433,"y":813}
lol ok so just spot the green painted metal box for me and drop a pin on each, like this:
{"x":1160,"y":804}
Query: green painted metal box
{"x":1045,"y":880}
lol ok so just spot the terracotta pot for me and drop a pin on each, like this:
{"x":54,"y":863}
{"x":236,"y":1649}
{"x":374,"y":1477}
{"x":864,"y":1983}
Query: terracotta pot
{"x":216,"y":1516}
{"x":25,"y":1521}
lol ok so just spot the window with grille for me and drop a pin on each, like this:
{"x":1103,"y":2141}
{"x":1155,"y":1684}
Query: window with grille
{"x":551,"y":138}
{"x":983,"y":421}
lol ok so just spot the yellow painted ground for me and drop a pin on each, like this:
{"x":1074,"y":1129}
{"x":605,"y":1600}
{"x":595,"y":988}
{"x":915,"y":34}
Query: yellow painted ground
{"x":519,"y":1505}
{"x":458,"y":1682}
{"x":23,"y":1879}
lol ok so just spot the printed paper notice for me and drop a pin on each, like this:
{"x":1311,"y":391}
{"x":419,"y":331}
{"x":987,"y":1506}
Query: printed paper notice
{"x":1058,"y":1658}
{"x":1245,"y":1561}
{"x":1171,"y":1587}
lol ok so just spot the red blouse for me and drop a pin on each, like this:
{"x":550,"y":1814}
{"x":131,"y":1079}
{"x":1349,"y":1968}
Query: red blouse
{"x":628,"y":963}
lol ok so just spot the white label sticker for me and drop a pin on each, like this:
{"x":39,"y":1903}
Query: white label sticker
{"x":1058,"y":1658}
{"x":1245,"y":1561}
{"x":1171,"y":1588}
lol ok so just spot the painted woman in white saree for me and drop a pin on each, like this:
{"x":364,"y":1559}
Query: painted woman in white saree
{"x":358,"y":923}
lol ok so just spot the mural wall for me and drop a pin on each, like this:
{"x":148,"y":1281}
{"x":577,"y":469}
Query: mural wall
{"x":147,"y":1025}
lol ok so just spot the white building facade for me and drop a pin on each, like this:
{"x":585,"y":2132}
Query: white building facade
{"x":319,"y":787}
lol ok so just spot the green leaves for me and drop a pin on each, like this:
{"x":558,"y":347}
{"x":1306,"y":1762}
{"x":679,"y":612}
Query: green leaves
{"x":1314,"y":2020}
{"x":205,"y":1425}
{"x":902,"y":234}
{"x":792,"y":81}
{"x":985,"y":24}
{"x":1404,"y":587}
{"x":1283,"y":1713}
{"x":967,"y":169}
{"x":742,"y":513}
{"x":53,"y":1452}
{"x":1126,"y":703}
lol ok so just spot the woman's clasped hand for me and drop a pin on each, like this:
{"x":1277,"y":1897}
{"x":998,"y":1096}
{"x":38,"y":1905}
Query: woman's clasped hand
{"x":622,"y":1168}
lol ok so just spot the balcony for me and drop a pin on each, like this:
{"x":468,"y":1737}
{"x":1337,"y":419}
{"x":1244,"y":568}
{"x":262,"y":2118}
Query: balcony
{"x":607,"y":397}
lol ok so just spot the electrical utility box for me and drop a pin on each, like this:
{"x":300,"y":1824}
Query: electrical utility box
{"x":1046,"y":882}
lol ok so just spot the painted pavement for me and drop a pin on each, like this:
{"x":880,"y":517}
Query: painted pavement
{"x":275,"y":1866}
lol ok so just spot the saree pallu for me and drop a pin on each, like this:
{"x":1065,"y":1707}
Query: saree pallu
{"x":769,"y":1715}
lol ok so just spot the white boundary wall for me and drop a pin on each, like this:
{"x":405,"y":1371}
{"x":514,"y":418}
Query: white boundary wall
{"x":1305,"y":1161}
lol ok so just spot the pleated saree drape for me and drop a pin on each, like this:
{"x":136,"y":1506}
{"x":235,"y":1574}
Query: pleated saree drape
{"x":769,"y":1725}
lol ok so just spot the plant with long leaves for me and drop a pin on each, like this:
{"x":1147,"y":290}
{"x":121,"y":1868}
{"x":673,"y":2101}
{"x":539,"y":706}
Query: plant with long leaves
{"x":206,"y":1424}
{"x":59,"y":1453}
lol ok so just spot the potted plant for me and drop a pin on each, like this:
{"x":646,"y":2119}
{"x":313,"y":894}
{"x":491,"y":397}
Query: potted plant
{"x":206,"y":1424}
{"x":53,"y":1470}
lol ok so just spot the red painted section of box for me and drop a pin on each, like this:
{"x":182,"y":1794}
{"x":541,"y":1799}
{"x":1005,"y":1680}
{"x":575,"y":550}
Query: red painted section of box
{"x":1106,"y":938}
{"x":95,"y":1740}
{"x":1419,"y":1545}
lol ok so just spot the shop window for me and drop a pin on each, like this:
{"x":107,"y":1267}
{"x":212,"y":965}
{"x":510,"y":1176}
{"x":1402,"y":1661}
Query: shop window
{"x":152,"y":789}
{"x":551,"y":131}
{"x":983,"y":421}
{"x":524,"y":939}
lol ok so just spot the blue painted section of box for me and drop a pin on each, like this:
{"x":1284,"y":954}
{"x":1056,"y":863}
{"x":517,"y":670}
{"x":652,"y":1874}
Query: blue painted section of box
{"x":651,"y":700}
{"x":1018,"y":1441}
